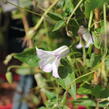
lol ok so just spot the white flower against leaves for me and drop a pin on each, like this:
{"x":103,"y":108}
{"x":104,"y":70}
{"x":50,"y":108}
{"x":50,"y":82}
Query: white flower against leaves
{"x":50,"y":60}
{"x":86,"y":36}
{"x":80,"y":45}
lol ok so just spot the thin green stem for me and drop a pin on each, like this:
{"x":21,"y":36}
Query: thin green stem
{"x":69,"y":60}
{"x":43,"y":16}
{"x":84,"y":55}
{"x":74,"y":11}
{"x":16,"y":66}
{"x":78,"y":79}
{"x":31,"y":32}
{"x":13,"y":66}
{"x":104,"y":14}
{"x":90,"y":20}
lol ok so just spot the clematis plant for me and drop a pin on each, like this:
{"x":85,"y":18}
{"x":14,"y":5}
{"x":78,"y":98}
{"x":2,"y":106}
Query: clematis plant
{"x":86,"y":36}
{"x":50,"y":60}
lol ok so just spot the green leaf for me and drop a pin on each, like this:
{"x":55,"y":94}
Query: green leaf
{"x":90,"y":5}
{"x":100,"y":92}
{"x":64,"y":99}
{"x":96,"y":91}
{"x":85,"y":102}
{"x":67,"y":76}
{"x":55,"y":16}
{"x":50,"y":95}
{"x":94,"y":60}
{"x":97,"y":37}
{"x":59,"y":25}
{"x":68,"y":6}
{"x":83,"y":90}
{"x":9,"y":77}
{"x":28,"y":56}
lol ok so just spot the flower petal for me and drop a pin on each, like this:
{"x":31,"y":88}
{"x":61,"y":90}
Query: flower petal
{"x":87,"y":37}
{"x":46,"y":67}
{"x":55,"y":68}
{"x":42,"y":53}
{"x":55,"y":71}
{"x":61,"y":51}
{"x":50,"y":60}
{"x":88,"y":44}
{"x":79,"y":45}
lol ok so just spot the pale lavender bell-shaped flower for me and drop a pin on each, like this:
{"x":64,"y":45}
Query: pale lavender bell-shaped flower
{"x":86,"y":36}
{"x":50,"y":60}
